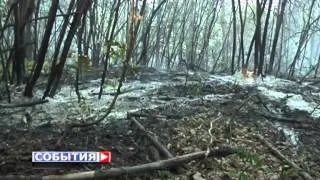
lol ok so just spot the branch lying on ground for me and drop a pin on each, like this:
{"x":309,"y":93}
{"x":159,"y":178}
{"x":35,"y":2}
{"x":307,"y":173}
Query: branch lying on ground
{"x":168,"y":116}
{"x":161,"y":148}
{"x":36,"y":102}
{"x":310,"y":123}
{"x":143,"y":168}
{"x":115,"y":93}
{"x":279,"y":155}
{"x":164,"y":151}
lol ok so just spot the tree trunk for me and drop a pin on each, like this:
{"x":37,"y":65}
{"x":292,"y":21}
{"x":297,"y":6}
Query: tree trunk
{"x":303,"y":38}
{"x":143,"y":57}
{"x":54,"y":64}
{"x":43,"y":49}
{"x":276,"y":36}
{"x":234,"y":45}
{"x":22,"y":12}
{"x":264,"y":40}
{"x":257,"y":44}
{"x":109,"y":39}
{"x":242,"y":26}
{"x":82,"y":6}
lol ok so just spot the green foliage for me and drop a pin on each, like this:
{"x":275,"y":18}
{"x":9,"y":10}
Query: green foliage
{"x":134,"y":68}
{"x":117,"y":51}
{"x":78,"y":61}
{"x":84,"y":63}
{"x":29,"y":63}
{"x":251,"y":164}
{"x":251,"y":158}
{"x":83,"y":107}
{"x":46,"y":67}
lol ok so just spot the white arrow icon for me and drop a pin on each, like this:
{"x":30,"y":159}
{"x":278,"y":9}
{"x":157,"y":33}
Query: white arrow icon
{"x":103,"y":156}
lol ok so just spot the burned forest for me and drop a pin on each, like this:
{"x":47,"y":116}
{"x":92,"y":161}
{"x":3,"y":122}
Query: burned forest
{"x":159,"y":89}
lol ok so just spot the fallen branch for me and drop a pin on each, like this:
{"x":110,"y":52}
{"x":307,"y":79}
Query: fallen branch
{"x":164,"y":151}
{"x":167,"y":116}
{"x":115,"y":93}
{"x":116,"y":172}
{"x":24,"y":104}
{"x":279,"y":155}
{"x":166,"y":98}
{"x":310,"y":123}
{"x":161,"y":148}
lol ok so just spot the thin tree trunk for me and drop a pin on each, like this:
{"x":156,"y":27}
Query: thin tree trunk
{"x":43,"y":49}
{"x":257,"y":44}
{"x":242,"y":26}
{"x":143,"y":57}
{"x":109,"y":39}
{"x":276,"y":35}
{"x":264,"y":40}
{"x":54,"y":64}
{"x":82,"y":6}
{"x":234,"y":45}
{"x":303,"y":38}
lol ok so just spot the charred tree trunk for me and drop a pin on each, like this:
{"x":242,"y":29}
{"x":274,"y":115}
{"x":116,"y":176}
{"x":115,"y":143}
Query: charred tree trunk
{"x":35,"y":29}
{"x":80,"y":55}
{"x":317,"y":68}
{"x":276,"y":36}
{"x":136,"y":29}
{"x":208,"y":33}
{"x":54,"y":64}
{"x":109,"y":39}
{"x":82,"y":6}
{"x":93,"y":36}
{"x":234,"y":44}
{"x":253,"y":40}
{"x":143,"y":57}
{"x":264,"y":40}
{"x":43,"y":49}
{"x":303,"y":39}
{"x":242,"y":26}
{"x":22,"y":12}
{"x":257,"y":44}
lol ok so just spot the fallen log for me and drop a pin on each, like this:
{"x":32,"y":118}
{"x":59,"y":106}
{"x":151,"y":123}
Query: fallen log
{"x":143,"y":168}
{"x":280,"y":156}
{"x":36,"y":102}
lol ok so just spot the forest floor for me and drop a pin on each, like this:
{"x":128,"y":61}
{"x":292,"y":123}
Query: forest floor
{"x":187,"y":113}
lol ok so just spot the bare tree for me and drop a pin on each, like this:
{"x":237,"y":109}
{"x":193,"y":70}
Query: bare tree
{"x":43,"y":49}
{"x":303,"y":39}
{"x":109,"y":38}
{"x":82,"y":6}
{"x":242,"y":27}
{"x":22,"y":12}
{"x":234,"y":46}
{"x":145,"y":36}
{"x":54,"y":63}
{"x":279,"y":22}
{"x":264,"y":40}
